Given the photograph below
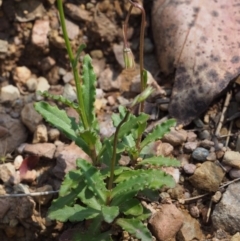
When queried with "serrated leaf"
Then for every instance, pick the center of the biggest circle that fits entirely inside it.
(158, 132)
(117, 171)
(89, 89)
(110, 213)
(80, 49)
(61, 121)
(137, 180)
(132, 207)
(71, 181)
(93, 179)
(59, 98)
(88, 198)
(73, 214)
(136, 228)
(160, 161)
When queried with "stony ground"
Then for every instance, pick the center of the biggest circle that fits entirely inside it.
(34, 156)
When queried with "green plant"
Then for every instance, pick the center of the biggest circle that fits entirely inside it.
(103, 191)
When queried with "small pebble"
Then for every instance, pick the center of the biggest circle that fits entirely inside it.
(200, 154)
(53, 134)
(191, 136)
(40, 134)
(194, 211)
(216, 197)
(18, 161)
(189, 168)
(31, 84)
(204, 135)
(234, 173)
(190, 146)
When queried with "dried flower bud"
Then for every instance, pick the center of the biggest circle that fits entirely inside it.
(128, 58)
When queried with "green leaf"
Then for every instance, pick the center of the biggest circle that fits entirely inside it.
(136, 228)
(160, 161)
(87, 197)
(158, 132)
(74, 214)
(89, 236)
(142, 96)
(61, 121)
(89, 89)
(132, 207)
(131, 182)
(145, 77)
(80, 49)
(110, 213)
(93, 179)
(60, 99)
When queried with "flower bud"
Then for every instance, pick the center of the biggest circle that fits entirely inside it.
(128, 58)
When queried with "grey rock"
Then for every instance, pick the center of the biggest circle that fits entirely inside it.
(190, 146)
(232, 158)
(9, 93)
(69, 93)
(107, 80)
(68, 77)
(72, 29)
(166, 222)
(234, 173)
(204, 135)
(29, 10)
(226, 213)
(190, 230)
(30, 117)
(41, 149)
(191, 136)
(189, 168)
(207, 177)
(206, 144)
(200, 154)
(15, 136)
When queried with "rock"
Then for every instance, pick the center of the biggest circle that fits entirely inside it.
(16, 134)
(18, 162)
(207, 177)
(206, 144)
(162, 149)
(190, 146)
(66, 159)
(69, 93)
(211, 157)
(148, 46)
(204, 135)
(9, 93)
(118, 52)
(68, 77)
(72, 29)
(194, 211)
(29, 10)
(96, 54)
(4, 207)
(77, 13)
(236, 237)
(41, 149)
(216, 197)
(31, 84)
(98, 66)
(190, 230)
(40, 134)
(30, 117)
(56, 40)
(8, 174)
(175, 137)
(53, 134)
(44, 199)
(166, 222)
(47, 63)
(107, 81)
(234, 173)
(226, 213)
(40, 33)
(21, 74)
(53, 75)
(191, 136)
(232, 158)
(177, 192)
(189, 168)
(174, 172)
(106, 127)
(200, 154)
(3, 46)
(42, 84)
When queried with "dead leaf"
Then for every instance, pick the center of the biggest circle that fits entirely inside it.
(200, 40)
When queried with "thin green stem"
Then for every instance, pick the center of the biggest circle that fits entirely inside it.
(77, 78)
(113, 161)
